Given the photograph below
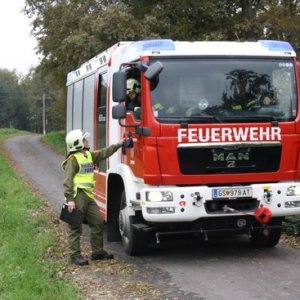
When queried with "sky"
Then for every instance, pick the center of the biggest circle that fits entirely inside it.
(17, 46)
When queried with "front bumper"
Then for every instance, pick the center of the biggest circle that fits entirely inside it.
(191, 203)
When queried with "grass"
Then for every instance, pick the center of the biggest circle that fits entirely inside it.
(291, 225)
(27, 271)
(56, 140)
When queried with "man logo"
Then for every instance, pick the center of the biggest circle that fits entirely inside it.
(231, 156)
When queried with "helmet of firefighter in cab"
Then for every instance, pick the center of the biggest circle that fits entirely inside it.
(133, 86)
(74, 140)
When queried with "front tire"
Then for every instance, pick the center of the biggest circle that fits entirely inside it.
(134, 242)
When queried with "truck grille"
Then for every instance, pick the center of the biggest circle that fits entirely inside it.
(250, 158)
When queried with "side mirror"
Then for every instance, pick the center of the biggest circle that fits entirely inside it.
(119, 112)
(119, 86)
(153, 70)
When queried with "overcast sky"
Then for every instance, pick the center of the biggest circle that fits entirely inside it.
(16, 44)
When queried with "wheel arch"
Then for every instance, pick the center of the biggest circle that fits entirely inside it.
(118, 182)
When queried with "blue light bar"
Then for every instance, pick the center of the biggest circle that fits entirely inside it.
(155, 45)
(276, 45)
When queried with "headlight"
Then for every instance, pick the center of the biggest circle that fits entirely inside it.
(293, 190)
(292, 204)
(157, 196)
(161, 210)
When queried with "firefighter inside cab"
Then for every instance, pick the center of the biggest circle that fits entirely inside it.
(133, 89)
(244, 92)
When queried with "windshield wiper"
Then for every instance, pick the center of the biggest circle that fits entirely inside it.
(204, 119)
(217, 119)
(262, 118)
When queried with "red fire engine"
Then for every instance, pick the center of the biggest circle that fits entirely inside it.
(213, 139)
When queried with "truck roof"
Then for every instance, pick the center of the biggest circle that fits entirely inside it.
(132, 51)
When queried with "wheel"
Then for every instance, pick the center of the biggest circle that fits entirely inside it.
(267, 237)
(134, 242)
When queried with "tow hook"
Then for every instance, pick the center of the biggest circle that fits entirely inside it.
(267, 195)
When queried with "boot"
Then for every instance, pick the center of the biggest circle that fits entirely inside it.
(79, 260)
(102, 255)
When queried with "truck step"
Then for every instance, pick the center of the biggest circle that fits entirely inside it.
(142, 227)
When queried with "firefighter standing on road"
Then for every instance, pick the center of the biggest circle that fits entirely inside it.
(78, 187)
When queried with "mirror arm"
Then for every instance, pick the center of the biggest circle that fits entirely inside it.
(127, 126)
(142, 66)
(139, 65)
(138, 130)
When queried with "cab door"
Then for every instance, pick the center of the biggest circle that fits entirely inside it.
(100, 138)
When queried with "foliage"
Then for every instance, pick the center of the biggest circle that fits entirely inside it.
(56, 140)
(282, 22)
(35, 86)
(25, 237)
(291, 225)
(69, 32)
(11, 101)
(22, 105)
(9, 132)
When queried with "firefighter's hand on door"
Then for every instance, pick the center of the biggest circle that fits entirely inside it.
(122, 141)
(128, 143)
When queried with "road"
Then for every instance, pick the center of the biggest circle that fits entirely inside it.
(218, 269)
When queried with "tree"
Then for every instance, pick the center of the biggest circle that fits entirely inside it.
(13, 111)
(63, 31)
(34, 86)
(281, 21)
(69, 32)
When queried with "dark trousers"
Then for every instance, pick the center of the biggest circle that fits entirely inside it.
(92, 216)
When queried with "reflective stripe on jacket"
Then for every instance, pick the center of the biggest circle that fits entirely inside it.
(84, 179)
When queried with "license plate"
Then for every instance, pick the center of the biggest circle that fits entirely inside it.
(225, 193)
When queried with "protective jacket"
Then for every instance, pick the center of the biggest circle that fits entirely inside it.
(79, 170)
(84, 179)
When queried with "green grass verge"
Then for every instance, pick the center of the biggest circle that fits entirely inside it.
(26, 271)
(56, 140)
(291, 225)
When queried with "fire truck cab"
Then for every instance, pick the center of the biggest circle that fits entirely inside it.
(212, 141)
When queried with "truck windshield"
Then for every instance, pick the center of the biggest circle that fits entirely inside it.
(223, 90)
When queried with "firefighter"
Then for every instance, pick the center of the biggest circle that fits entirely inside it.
(267, 100)
(243, 99)
(78, 186)
(159, 109)
(133, 90)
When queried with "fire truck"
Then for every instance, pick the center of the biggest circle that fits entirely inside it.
(213, 145)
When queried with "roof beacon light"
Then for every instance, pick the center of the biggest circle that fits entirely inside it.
(155, 45)
(276, 45)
